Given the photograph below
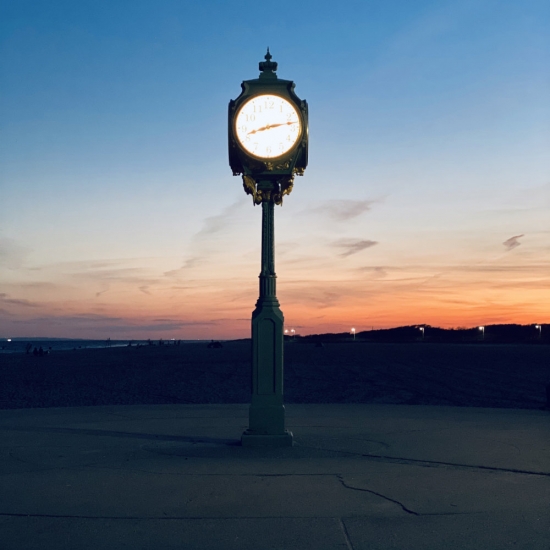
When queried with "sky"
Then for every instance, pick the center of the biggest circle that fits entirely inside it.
(426, 199)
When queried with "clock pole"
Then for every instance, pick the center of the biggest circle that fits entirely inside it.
(268, 146)
(267, 412)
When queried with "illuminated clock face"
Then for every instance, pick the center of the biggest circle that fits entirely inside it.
(267, 126)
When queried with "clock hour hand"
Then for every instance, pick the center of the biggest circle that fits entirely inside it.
(269, 126)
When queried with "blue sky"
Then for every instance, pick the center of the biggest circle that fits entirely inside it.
(426, 199)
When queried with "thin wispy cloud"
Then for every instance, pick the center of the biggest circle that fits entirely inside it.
(342, 210)
(378, 272)
(105, 275)
(125, 274)
(187, 264)
(5, 299)
(512, 242)
(353, 246)
(539, 269)
(200, 246)
(315, 295)
(38, 285)
(217, 223)
(90, 265)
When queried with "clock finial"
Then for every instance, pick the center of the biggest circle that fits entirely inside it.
(268, 67)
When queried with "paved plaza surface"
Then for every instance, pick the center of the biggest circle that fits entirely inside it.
(358, 477)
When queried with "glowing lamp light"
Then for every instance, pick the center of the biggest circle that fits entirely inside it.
(353, 332)
(482, 329)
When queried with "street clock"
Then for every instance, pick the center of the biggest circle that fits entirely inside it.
(268, 133)
(268, 140)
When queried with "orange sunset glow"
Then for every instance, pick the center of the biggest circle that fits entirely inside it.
(426, 199)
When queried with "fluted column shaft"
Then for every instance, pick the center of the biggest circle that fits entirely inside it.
(268, 278)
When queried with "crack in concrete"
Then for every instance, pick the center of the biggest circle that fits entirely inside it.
(344, 529)
(194, 474)
(404, 508)
(155, 518)
(430, 463)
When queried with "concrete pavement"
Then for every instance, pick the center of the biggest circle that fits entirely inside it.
(358, 477)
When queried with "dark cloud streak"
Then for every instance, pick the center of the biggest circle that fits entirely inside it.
(5, 299)
(353, 246)
(513, 242)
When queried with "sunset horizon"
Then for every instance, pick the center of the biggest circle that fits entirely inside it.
(426, 199)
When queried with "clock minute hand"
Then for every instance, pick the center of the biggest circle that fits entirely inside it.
(269, 126)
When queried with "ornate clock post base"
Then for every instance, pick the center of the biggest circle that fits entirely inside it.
(267, 412)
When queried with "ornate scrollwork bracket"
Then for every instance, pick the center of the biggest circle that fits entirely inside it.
(276, 193)
(286, 183)
(249, 185)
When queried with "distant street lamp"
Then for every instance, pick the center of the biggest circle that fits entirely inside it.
(539, 328)
(353, 332)
(422, 331)
(482, 329)
(293, 332)
(268, 146)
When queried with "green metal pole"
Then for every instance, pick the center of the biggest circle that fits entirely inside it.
(268, 278)
(267, 412)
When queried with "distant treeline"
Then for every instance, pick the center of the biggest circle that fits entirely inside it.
(493, 334)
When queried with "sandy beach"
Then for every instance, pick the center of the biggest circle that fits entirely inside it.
(508, 376)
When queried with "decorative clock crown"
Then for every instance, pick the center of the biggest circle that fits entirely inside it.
(268, 67)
